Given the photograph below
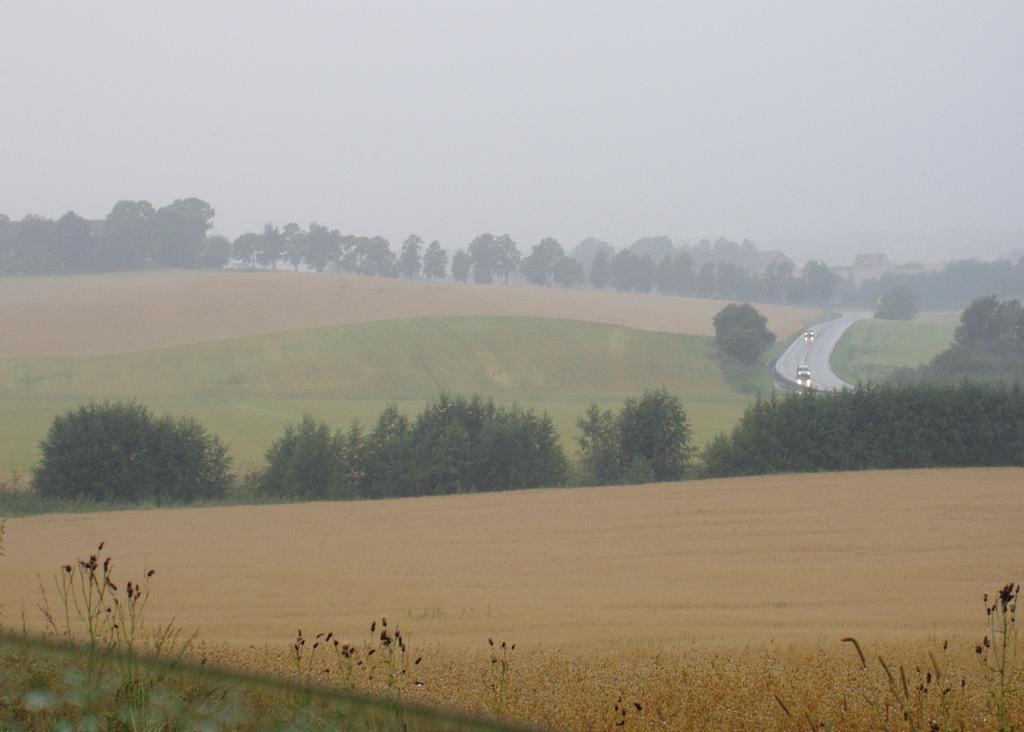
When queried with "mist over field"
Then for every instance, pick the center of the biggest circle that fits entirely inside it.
(820, 129)
(453, 365)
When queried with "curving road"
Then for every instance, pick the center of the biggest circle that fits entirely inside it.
(816, 354)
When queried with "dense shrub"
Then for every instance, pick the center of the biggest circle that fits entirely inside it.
(648, 440)
(887, 426)
(455, 445)
(120, 452)
(742, 332)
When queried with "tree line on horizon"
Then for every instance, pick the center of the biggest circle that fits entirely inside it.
(137, 235)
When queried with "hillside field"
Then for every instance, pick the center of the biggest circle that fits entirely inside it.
(873, 349)
(240, 353)
(94, 315)
(248, 389)
(704, 602)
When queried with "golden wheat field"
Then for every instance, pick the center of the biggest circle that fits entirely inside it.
(92, 315)
(701, 601)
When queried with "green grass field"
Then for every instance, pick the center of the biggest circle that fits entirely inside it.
(873, 349)
(248, 389)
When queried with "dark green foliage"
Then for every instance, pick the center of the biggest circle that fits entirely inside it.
(304, 462)
(742, 332)
(648, 440)
(455, 445)
(900, 303)
(119, 452)
(874, 427)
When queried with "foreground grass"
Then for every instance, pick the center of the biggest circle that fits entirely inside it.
(873, 349)
(248, 389)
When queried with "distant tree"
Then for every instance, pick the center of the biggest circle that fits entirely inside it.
(732, 281)
(507, 257)
(461, 264)
(623, 270)
(683, 278)
(295, 244)
(539, 267)
(271, 246)
(246, 248)
(119, 452)
(655, 247)
(483, 256)
(601, 270)
(216, 252)
(568, 272)
(376, 257)
(900, 303)
(34, 246)
(6, 243)
(644, 279)
(321, 246)
(409, 263)
(707, 280)
(586, 250)
(742, 332)
(179, 231)
(777, 279)
(664, 276)
(435, 262)
(128, 238)
(819, 283)
(72, 243)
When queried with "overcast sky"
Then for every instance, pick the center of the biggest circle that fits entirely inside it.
(807, 125)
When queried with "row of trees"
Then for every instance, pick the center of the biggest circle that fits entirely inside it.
(875, 426)
(121, 453)
(988, 345)
(455, 445)
(489, 258)
(134, 235)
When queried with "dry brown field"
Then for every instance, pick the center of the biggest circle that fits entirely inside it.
(92, 315)
(701, 601)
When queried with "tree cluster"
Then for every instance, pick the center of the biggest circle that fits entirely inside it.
(120, 453)
(741, 332)
(899, 303)
(648, 440)
(455, 445)
(988, 345)
(874, 427)
(134, 235)
(952, 286)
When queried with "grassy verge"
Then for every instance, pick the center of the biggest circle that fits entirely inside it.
(873, 349)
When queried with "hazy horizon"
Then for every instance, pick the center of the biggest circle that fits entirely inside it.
(821, 130)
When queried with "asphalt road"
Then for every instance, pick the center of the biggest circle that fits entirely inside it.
(816, 354)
